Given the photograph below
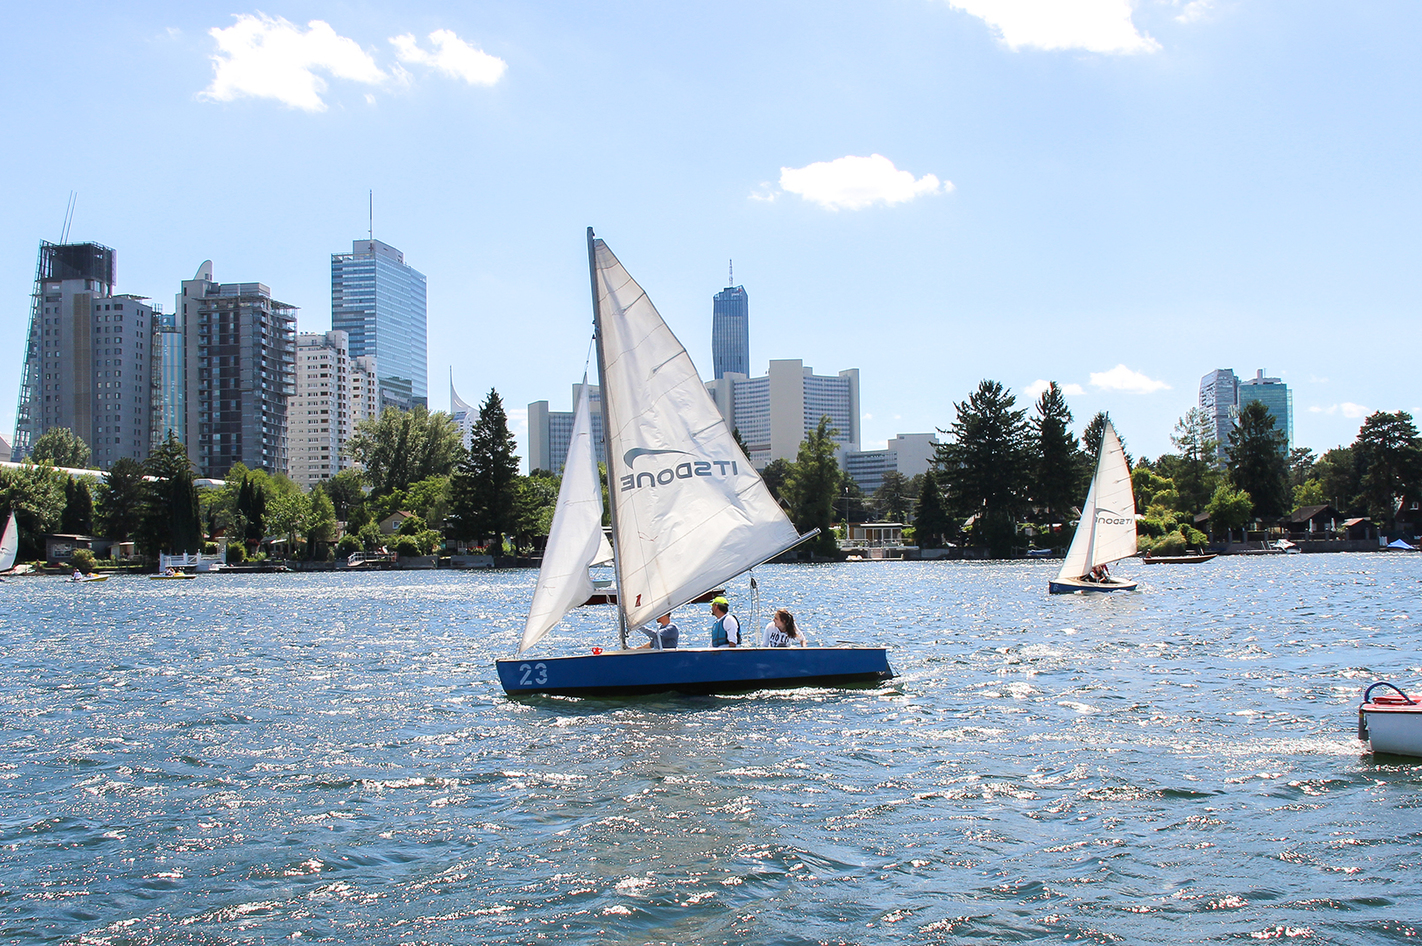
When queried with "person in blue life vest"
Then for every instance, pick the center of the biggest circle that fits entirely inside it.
(725, 629)
(663, 634)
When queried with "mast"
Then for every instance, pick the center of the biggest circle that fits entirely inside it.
(602, 390)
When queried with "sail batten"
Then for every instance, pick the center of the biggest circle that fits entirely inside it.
(1107, 530)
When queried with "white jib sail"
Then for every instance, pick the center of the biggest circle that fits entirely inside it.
(1107, 530)
(9, 545)
(575, 538)
(690, 510)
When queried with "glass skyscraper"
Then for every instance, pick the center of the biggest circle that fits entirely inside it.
(379, 303)
(730, 332)
(1275, 395)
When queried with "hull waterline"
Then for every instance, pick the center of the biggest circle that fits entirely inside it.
(693, 670)
(1066, 586)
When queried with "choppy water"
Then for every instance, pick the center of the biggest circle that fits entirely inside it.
(254, 759)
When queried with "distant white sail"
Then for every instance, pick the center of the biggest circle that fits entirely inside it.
(690, 511)
(1107, 530)
(9, 545)
(575, 539)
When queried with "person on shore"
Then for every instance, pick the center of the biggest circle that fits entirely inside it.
(781, 631)
(663, 635)
(725, 629)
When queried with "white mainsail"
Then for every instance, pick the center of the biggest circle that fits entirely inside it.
(575, 539)
(689, 510)
(9, 545)
(1107, 530)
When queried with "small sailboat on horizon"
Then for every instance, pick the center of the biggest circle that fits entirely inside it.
(1106, 532)
(688, 512)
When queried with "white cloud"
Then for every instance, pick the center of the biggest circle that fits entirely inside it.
(452, 56)
(269, 57)
(1195, 11)
(1035, 389)
(1347, 409)
(1121, 378)
(853, 183)
(1099, 26)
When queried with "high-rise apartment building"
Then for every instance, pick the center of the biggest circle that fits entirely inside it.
(774, 412)
(1219, 397)
(379, 303)
(730, 332)
(240, 367)
(88, 360)
(550, 432)
(323, 412)
(1275, 395)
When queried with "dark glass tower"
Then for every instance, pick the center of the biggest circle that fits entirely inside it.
(379, 302)
(730, 332)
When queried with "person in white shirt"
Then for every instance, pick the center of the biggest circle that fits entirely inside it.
(781, 631)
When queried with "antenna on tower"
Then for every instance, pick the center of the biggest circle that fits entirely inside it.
(731, 278)
(69, 216)
(372, 215)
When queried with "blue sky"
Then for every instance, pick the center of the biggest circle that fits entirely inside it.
(1116, 196)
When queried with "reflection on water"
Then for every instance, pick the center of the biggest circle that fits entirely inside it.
(247, 759)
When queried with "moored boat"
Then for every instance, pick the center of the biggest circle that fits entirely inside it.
(1390, 723)
(1149, 559)
(688, 510)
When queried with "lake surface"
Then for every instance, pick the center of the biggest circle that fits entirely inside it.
(329, 758)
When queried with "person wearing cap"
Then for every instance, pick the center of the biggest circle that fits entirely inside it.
(726, 630)
(663, 634)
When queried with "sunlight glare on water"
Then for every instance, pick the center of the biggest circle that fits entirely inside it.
(329, 758)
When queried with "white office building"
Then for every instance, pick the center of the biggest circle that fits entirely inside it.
(907, 454)
(550, 432)
(334, 392)
(775, 411)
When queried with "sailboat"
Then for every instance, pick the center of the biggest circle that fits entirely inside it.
(688, 513)
(9, 545)
(1107, 530)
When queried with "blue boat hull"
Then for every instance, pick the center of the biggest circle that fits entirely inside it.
(1066, 586)
(693, 670)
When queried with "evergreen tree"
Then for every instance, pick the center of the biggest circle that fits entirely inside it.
(1390, 457)
(78, 517)
(813, 486)
(1259, 461)
(775, 474)
(893, 499)
(1301, 461)
(346, 491)
(484, 489)
(170, 520)
(121, 500)
(252, 509)
(1091, 440)
(1057, 472)
(60, 446)
(1337, 471)
(1195, 477)
(987, 463)
(931, 522)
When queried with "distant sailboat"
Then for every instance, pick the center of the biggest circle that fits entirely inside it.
(689, 512)
(9, 545)
(1107, 530)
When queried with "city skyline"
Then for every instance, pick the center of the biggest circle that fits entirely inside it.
(1195, 181)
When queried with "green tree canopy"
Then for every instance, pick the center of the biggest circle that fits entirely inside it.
(346, 490)
(1338, 473)
(1259, 461)
(78, 515)
(60, 446)
(483, 491)
(1229, 508)
(403, 447)
(893, 500)
(170, 508)
(987, 463)
(121, 500)
(1390, 456)
(775, 474)
(320, 523)
(931, 523)
(35, 494)
(813, 486)
(1194, 474)
(1057, 474)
